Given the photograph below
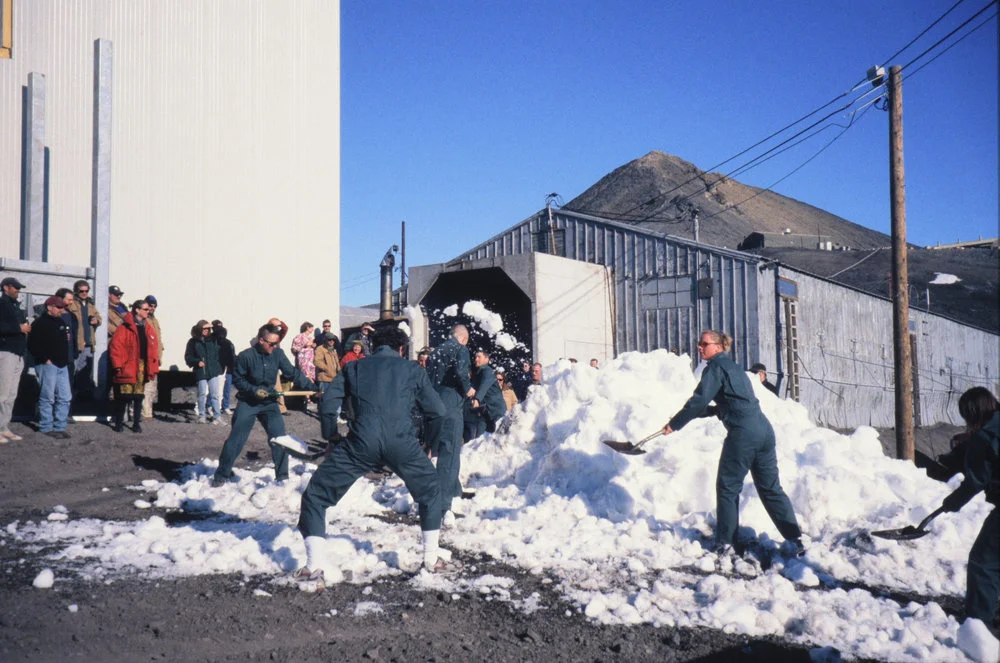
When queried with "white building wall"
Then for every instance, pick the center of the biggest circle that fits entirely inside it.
(225, 195)
(573, 310)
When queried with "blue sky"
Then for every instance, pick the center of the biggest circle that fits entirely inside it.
(458, 117)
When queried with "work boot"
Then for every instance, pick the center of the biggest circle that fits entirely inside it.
(120, 414)
(137, 414)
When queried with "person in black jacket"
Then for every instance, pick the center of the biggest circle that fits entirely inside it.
(48, 344)
(979, 409)
(14, 329)
(227, 357)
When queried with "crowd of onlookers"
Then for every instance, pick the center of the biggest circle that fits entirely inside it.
(61, 342)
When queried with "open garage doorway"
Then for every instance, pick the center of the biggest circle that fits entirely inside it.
(499, 294)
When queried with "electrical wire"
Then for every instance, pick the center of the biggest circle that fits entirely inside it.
(629, 213)
(799, 167)
(912, 41)
(944, 38)
(954, 43)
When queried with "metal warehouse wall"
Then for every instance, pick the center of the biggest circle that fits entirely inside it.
(226, 151)
(638, 260)
(846, 356)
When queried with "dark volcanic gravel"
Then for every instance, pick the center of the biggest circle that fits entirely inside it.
(220, 618)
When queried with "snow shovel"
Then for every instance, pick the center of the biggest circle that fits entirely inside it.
(909, 532)
(300, 448)
(630, 449)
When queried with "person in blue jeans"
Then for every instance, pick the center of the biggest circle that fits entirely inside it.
(48, 345)
(227, 357)
(749, 444)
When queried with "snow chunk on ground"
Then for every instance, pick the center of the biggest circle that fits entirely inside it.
(944, 279)
(45, 579)
(977, 642)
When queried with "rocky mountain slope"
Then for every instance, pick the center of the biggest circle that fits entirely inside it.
(661, 193)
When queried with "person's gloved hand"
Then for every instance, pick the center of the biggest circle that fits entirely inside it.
(954, 502)
(262, 394)
(316, 397)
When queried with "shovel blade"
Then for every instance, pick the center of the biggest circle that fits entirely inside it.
(626, 448)
(907, 533)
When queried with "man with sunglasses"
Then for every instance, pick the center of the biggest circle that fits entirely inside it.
(84, 309)
(255, 377)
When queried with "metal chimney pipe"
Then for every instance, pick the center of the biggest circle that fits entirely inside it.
(385, 271)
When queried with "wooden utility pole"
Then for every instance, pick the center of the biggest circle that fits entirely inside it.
(901, 280)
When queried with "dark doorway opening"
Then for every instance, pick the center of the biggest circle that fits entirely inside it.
(499, 294)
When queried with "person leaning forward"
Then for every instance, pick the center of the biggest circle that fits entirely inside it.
(749, 444)
(384, 390)
(254, 377)
(448, 370)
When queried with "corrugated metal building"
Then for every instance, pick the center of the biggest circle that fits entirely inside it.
(225, 158)
(831, 345)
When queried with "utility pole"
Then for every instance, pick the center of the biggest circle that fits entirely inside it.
(901, 291)
(694, 217)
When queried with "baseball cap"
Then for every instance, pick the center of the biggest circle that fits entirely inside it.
(10, 280)
(55, 301)
(150, 299)
(329, 336)
(115, 290)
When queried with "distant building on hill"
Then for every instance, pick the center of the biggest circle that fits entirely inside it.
(760, 240)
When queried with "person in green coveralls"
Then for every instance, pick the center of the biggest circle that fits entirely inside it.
(384, 389)
(749, 444)
(448, 370)
(255, 375)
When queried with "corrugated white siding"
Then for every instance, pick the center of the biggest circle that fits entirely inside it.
(846, 357)
(225, 196)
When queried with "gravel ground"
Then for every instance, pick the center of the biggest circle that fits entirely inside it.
(219, 617)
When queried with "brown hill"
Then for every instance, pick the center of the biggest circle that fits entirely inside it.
(661, 192)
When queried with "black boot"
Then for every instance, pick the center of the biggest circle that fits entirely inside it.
(119, 406)
(137, 413)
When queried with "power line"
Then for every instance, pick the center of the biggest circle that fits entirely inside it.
(629, 214)
(944, 38)
(925, 30)
(954, 43)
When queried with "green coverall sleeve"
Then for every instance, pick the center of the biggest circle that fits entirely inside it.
(241, 374)
(704, 393)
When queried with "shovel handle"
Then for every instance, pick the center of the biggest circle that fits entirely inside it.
(934, 514)
(648, 438)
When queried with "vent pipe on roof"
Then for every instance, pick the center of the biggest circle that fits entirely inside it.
(385, 268)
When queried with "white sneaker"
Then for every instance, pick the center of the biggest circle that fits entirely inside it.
(8, 435)
(202, 420)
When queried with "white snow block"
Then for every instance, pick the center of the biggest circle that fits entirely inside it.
(976, 641)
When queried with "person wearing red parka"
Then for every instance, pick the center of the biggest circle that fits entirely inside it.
(134, 353)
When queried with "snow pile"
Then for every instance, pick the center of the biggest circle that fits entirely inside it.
(623, 537)
(944, 279)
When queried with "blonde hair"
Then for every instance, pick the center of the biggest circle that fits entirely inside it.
(721, 338)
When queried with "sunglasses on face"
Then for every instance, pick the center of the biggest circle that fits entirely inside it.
(269, 343)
